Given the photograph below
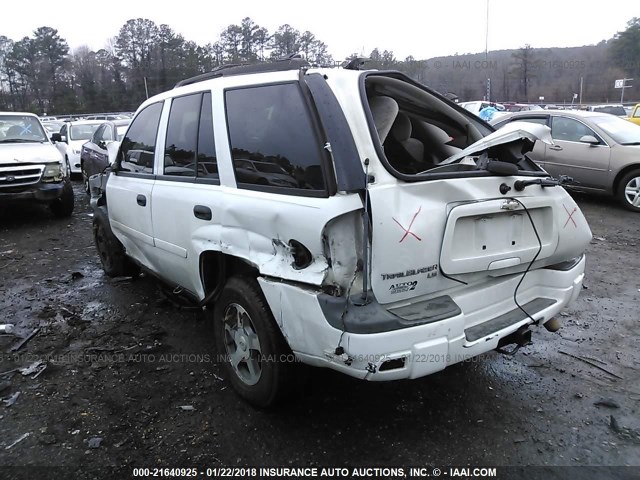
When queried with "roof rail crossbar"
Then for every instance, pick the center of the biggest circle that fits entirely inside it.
(280, 65)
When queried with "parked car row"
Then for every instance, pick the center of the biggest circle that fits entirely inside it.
(70, 137)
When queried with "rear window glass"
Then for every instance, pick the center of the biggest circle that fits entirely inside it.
(421, 134)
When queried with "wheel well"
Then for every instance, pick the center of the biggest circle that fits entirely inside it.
(622, 173)
(217, 267)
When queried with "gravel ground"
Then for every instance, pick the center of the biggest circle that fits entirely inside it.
(132, 381)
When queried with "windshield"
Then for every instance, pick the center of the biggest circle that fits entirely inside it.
(611, 109)
(53, 127)
(82, 132)
(120, 131)
(622, 131)
(21, 129)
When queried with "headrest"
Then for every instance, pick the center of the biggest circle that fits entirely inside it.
(438, 134)
(14, 130)
(401, 129)
(384, 111)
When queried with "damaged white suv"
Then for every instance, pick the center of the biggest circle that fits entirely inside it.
(349, 219)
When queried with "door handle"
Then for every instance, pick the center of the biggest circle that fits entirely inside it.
(202, 212)
(142, 200)
(557, 148)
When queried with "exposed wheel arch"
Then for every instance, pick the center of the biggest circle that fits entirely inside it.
(217, 267)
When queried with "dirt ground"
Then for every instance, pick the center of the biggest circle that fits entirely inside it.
(131, 380)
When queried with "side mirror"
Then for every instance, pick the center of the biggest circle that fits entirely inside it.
(590, 139)
(112, 151)
(55, 137)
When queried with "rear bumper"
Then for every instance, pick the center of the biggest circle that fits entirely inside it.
(487, 314)
(40, 192)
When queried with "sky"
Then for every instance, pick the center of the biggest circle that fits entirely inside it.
(423, 29)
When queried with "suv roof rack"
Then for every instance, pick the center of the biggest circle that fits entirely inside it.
(292, 62)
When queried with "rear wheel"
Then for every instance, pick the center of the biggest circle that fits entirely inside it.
(257, 359)
(63, 206)
(629, 191)
(115, 262)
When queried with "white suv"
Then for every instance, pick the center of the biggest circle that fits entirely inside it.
(397, 235)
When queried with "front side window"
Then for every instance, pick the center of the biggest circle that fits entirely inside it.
(538, 120)
(138, 146)
(569, 130)
(273, 142)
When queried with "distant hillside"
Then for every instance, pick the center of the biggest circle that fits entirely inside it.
(525, 74)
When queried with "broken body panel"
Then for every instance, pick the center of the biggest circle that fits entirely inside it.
(438, 268)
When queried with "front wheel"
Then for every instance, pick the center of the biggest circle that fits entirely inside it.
(257, 359)
(63, 206)
(629, 191)
(115, 262)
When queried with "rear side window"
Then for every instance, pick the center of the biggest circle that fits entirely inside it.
(182, 136)
(538, 120)
(273, 142)
(138, 146)
(190, 150)
(207, 161)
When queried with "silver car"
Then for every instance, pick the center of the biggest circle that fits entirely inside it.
(601, 152)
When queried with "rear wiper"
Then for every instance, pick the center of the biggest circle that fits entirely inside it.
(520, 185)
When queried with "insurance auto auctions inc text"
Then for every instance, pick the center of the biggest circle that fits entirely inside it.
(377, 472)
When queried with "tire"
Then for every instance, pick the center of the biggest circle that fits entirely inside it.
(63, 206)
(257, 359)
(629, 191)
(115, 262)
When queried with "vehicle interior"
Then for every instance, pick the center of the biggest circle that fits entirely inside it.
(416, 129)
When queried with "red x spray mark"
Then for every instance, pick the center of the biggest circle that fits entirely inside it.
(570, 213)
(407, 231)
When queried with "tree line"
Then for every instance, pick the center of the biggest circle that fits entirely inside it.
(40, 74)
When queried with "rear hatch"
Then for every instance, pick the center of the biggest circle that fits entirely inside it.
(452, 215)
(433, 236)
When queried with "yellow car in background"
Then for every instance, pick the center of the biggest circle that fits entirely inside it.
(634, 116)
